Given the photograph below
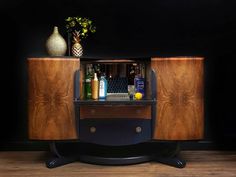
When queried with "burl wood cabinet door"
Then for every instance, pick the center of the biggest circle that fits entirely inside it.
(51, 113)
(180, 103)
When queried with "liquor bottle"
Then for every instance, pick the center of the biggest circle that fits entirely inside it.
(88, 80)
(95, 87)
(142, 70)
(102, 87)
(137, 70)
(139, 80)
(131, 74)
(88, 91)
(139, 84)
(97, 69)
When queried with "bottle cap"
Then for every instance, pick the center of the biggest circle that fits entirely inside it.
(95, 75)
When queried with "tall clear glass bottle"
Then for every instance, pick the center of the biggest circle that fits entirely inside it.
(102, 87)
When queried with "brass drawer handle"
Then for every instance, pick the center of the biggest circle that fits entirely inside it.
(92, 129)
(93, 111)
(138, 129)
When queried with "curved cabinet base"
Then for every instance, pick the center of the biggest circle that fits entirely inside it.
(171, 161)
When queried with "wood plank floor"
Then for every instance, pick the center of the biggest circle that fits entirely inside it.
(199, 163)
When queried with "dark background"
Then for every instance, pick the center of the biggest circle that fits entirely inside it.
(125, 28)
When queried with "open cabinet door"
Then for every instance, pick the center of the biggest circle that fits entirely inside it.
(180, 103)
(51, 113)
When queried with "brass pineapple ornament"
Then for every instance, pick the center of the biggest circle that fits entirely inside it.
(76, 49)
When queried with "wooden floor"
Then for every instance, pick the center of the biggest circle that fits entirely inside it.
(199, 163)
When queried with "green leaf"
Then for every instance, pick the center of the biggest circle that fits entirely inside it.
(68, 19)
(81, 24)
(72, 23)
(84, 30)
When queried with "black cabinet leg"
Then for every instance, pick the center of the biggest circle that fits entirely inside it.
(170, 155)
(57, 159)
(172, 161)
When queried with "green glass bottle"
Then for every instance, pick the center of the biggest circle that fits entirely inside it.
(88, 81)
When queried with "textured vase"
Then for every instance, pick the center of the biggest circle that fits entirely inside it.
(77, 49)
(56, 44)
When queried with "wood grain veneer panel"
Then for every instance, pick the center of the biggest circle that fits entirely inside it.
(180, 103)
(51, 113)
(139, 112)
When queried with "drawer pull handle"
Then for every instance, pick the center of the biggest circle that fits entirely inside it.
(92, 129)
(138, 129)
(93, 111)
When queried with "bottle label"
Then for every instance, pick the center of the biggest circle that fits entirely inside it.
(101, 89)
(88, 80)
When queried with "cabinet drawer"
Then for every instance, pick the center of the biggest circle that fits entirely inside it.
(115, 132)
(115, 111)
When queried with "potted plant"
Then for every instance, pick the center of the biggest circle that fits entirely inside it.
(79, 28)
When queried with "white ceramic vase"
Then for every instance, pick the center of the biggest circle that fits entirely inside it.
(56, 44)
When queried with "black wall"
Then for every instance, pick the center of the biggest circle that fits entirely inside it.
(124, 29)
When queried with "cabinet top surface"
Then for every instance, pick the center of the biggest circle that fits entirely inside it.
(52, 58)
(99, 59)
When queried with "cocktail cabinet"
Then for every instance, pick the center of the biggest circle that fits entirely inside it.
(170, 111)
